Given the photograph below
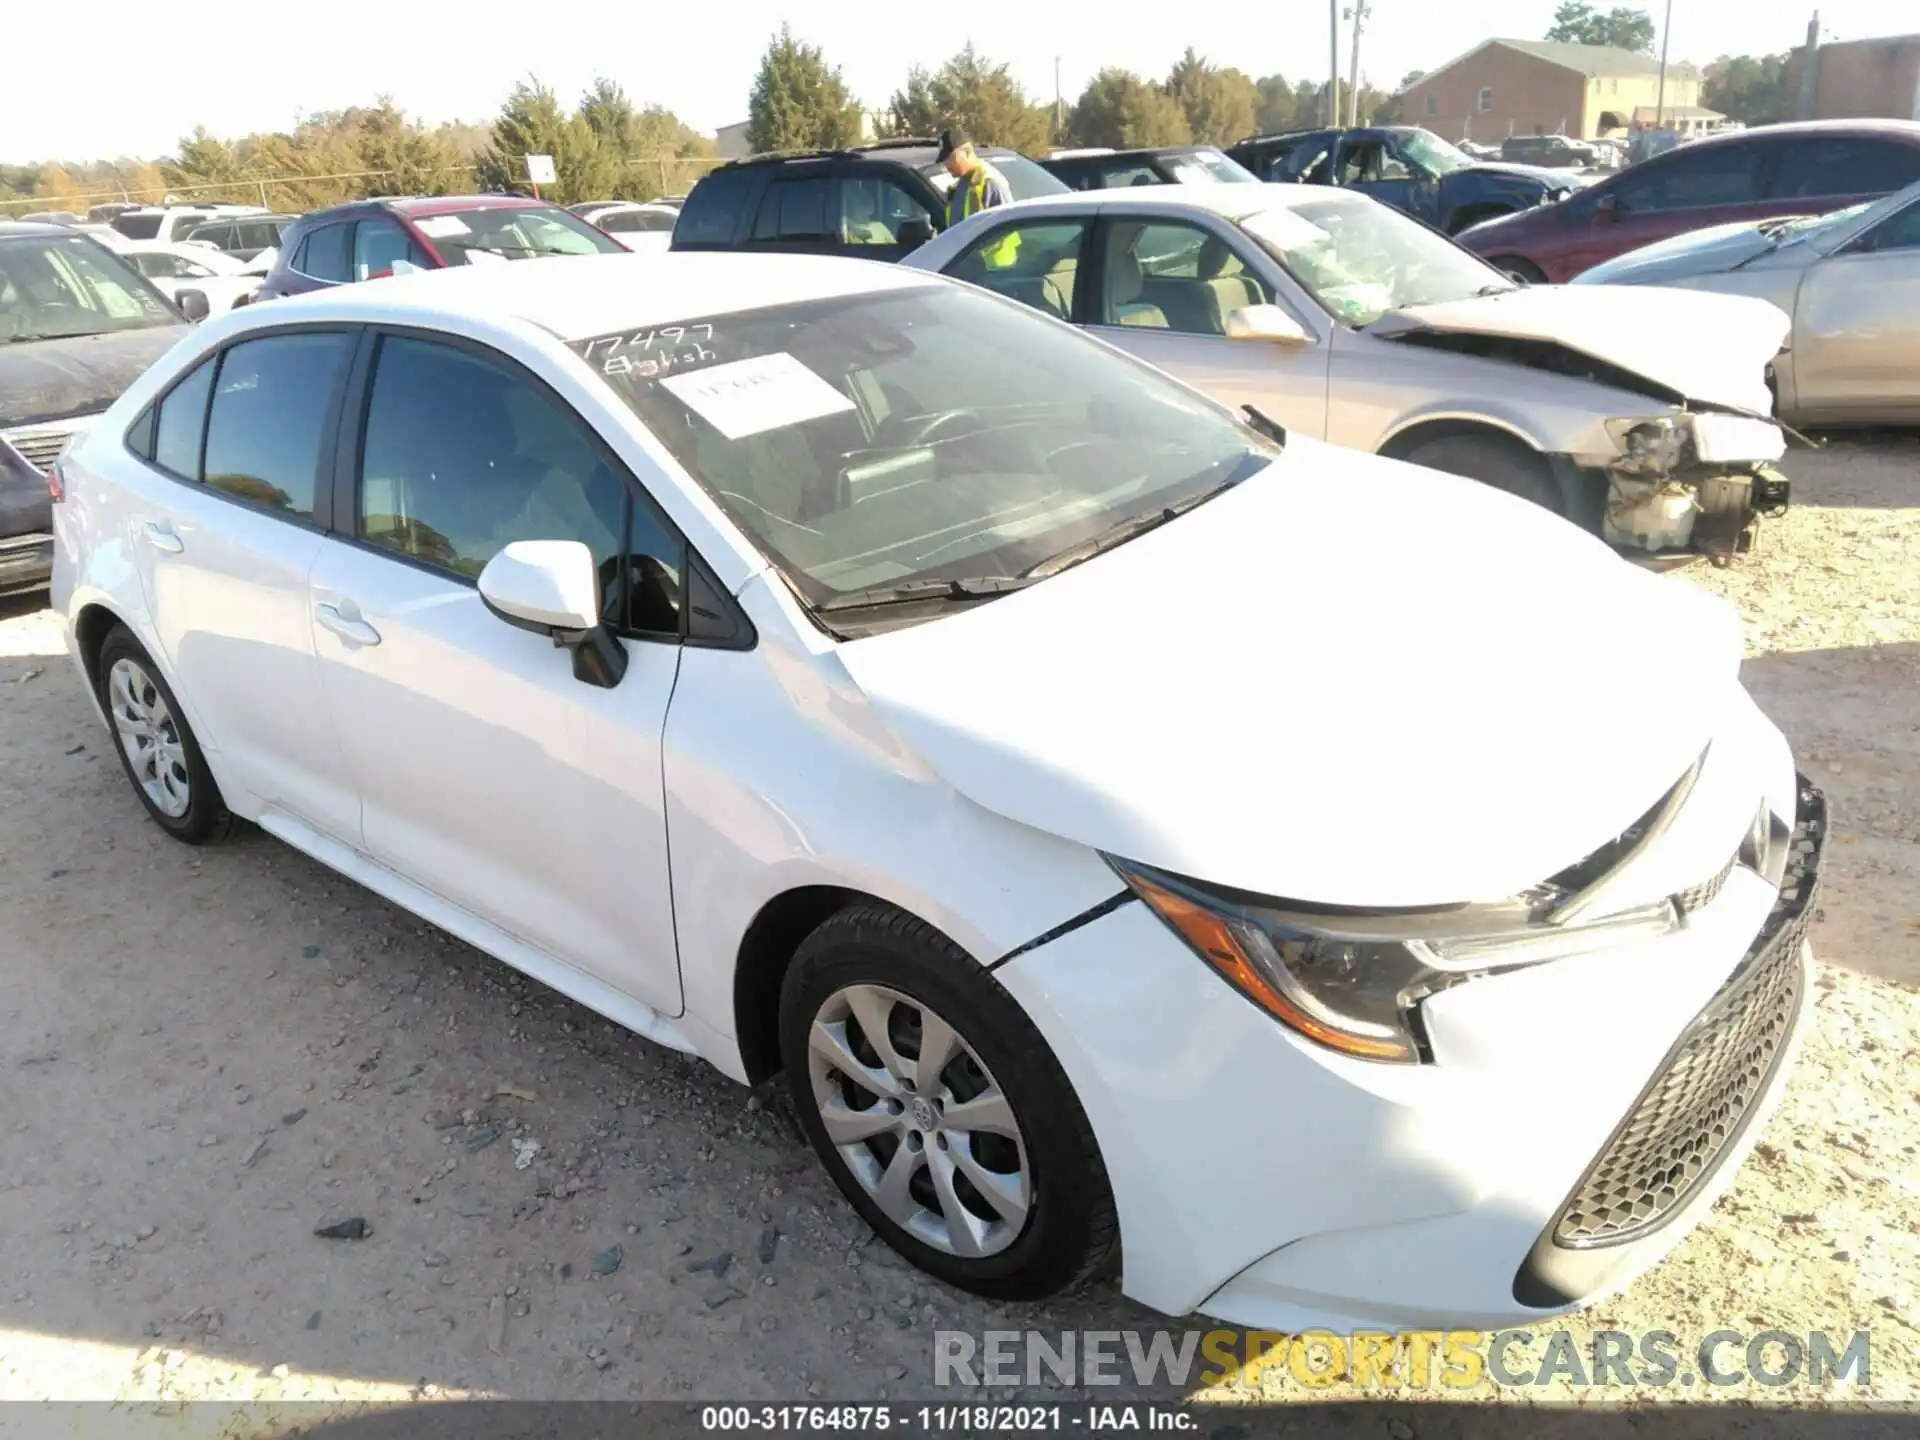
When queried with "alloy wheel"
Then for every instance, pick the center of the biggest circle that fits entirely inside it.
(920, 1122)
(151, 738)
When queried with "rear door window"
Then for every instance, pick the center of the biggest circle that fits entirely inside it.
(1037, 264)
(711, 215)
(137, 226)
(323, 255)
(794, 212)
(1843, 165)
(378, 243)
(271, 402)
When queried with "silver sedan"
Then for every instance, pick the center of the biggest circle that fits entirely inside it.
(1851, 282)
(1639, 415)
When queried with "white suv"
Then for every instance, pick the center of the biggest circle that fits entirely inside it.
(170, 224)
(1353, 895)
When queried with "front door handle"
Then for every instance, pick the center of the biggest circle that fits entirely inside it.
(160, 536)
(344, 620)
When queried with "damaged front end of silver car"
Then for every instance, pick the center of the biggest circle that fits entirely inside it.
(1677, 486)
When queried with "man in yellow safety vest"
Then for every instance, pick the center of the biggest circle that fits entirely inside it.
(976, 186)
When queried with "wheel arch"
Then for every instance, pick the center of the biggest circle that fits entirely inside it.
(91, 624)
(766, 949)
(1421, 430)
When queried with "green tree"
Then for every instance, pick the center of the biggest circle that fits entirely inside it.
(1275, 111)
(1749, 88)
(1621, 28)
(1120, 109)
(1220, 104)
(798, 101)
(409, 159)
(974, 94)
(532, 123)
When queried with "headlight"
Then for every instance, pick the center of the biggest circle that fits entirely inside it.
(1354, 982)
(1651, 446)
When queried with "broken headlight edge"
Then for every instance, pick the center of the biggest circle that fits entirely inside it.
(1354, 982)
(1651, 445)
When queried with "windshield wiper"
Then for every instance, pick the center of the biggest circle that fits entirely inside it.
(1136, 525)
(969, 587)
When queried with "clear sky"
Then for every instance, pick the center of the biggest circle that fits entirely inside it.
(113, 79)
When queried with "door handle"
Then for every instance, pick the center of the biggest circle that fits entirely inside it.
(160, 536)
(344, 620)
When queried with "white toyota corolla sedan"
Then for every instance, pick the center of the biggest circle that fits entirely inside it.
(1350, 894)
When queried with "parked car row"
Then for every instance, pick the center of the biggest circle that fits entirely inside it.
(839, 597)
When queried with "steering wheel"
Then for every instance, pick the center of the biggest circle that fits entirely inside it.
(925, 429)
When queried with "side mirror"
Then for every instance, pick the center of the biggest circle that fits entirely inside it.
(552, 587)
(1266, 322)
(915, 233)
(193, 305)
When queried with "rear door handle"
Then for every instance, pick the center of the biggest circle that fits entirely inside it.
(160, 536)
(344, 620)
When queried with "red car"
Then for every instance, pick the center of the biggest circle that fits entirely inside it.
(1802, 169)
(362, 240)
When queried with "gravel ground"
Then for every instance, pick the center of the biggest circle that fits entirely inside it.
(207, 1054)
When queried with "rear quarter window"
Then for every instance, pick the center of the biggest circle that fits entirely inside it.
(712, 213)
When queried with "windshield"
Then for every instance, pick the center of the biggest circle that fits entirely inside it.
(1201, 167)
(1430, 152)
(1026, 179)
(51, 289)
(936, 435)
(1361, 260)
(513, 234)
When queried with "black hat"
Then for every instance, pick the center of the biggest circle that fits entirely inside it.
(950, 141)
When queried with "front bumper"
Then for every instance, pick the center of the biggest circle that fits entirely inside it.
(1713, 512)
(1275, 1184)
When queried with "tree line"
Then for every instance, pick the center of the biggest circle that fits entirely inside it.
(606, 146)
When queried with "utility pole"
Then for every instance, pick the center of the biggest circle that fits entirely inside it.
(1809, 72)
(1358, 14)
(1660, 96)
(1333, 64)
(1059, 116)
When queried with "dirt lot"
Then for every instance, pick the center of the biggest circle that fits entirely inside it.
(206, 1054)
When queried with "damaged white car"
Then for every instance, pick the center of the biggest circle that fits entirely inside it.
(1642, 416)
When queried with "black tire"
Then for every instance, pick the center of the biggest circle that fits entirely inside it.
(206, 819)
(1504, 464)
(1070, 1228)
(1525, 271)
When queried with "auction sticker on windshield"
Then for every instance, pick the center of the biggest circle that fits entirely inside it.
(439, 227)
(746, 397)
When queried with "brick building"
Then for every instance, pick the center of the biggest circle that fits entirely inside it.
(1541, 87)
(1858, 79)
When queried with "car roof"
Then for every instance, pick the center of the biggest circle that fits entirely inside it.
(915, 151)
(11, 228)
(1907, 130)
(1230, 200)
(446, 204)
(574, 297)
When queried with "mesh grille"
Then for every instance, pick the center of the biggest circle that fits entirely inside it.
(1698, 897)
(1697, 1103)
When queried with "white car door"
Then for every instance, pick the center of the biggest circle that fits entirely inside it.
(225, 520)
(1856, 331)
(487, 773)
(1166, 288)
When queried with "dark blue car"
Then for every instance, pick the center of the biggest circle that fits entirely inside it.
(1408, 168)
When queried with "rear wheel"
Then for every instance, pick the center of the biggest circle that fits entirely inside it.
(1504, 464)
(1514, 268)
(157, 746)
(939, 1110)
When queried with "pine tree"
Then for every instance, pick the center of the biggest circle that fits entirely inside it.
(532, 123)
(799, 102)
(971, 93)
(1220, 103)
(1120, 109)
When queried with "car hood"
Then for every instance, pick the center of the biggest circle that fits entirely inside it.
(1347, 681)
(52, 379)
(1698, 252)
(1704, 348)
(1541, 174)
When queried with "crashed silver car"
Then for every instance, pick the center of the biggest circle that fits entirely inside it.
(1642, 415)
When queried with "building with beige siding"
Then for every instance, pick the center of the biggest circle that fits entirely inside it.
(1542, 87)
(1857, 79)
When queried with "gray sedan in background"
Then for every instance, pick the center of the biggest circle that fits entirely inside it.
(1849, 280)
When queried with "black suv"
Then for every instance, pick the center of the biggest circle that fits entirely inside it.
(875, 202)
(1165, 165)
(242, 236)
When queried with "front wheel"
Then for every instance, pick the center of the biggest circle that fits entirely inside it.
(1514, 268)
(1504, 464)
(939, 1110)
